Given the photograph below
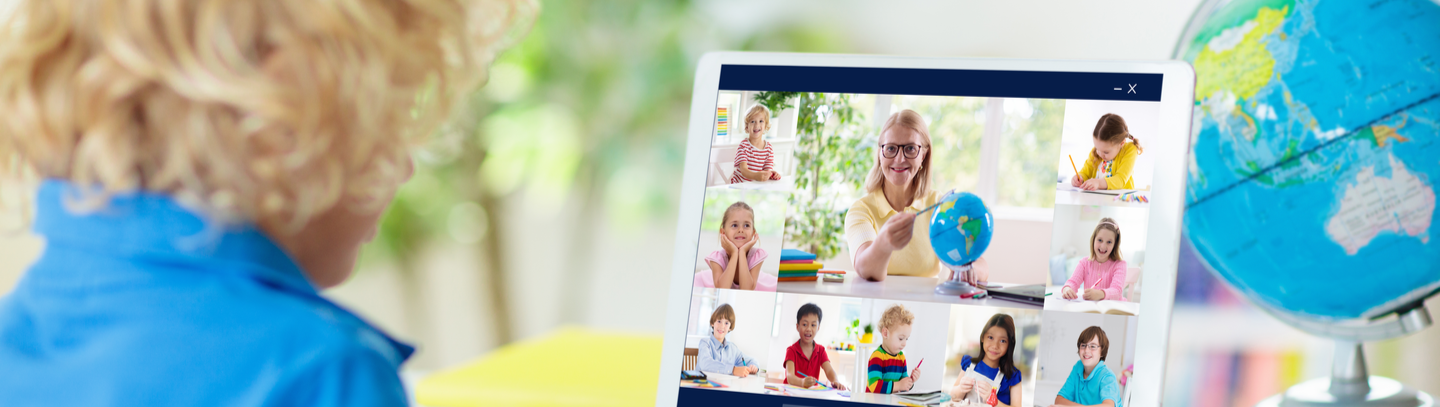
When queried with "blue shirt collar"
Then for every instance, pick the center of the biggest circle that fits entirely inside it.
(1094, 373)
(148, 226)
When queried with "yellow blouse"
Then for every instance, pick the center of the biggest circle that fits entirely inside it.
(867, 215)
(1119, 168)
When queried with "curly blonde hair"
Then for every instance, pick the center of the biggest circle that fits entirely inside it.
(895, 317)
(245, 110)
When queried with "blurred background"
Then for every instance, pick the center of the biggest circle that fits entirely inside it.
(553, 201)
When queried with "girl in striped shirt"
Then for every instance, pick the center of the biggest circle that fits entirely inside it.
(755, 158)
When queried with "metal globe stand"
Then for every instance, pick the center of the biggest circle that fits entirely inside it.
(956, 285)
(1350, 383)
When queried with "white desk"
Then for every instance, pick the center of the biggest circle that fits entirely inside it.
(783, 185)
(903, 288)
(754, 383)
(1065, 197)
(1055, 302)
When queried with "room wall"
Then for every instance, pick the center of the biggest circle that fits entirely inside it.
(754, 312)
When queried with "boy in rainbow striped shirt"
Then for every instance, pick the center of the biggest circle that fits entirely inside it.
(887, 372)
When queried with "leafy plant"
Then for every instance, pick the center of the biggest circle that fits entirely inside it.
(852, 331)
(833, 157)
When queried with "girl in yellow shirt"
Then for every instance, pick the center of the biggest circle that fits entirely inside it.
(1110, 162)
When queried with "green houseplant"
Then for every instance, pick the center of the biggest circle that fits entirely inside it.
(833, 157)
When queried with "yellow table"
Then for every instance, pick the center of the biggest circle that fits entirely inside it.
(569, 367)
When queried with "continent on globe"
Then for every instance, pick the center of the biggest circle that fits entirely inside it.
(1381, 134)
(1371, 205)
(945, 206)
(969, 237)
(970, 228)
(1236, 61)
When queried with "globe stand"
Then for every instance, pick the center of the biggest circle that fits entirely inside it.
(956, 285)
(1350, 383)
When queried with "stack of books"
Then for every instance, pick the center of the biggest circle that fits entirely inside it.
(797, 265)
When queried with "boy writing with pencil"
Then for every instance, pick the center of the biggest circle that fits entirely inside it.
(887, 364)
(804, 360)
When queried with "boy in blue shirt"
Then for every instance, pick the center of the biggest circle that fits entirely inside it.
(718, 355)
(1091, 383)
(208, 166)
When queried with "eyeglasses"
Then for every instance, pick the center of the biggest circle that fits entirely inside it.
(911, 150)
(1092, 347)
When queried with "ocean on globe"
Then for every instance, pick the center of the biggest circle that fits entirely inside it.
(1316, 152)
(960, 228)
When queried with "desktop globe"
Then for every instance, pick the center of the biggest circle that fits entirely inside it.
(1315, 157)
(960, 231)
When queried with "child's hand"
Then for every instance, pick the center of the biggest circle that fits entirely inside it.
(1094, 295)
(963, 387)
(1093, 184)
(1067, 293)
(838, 386)
(1075, 181)
(728, 245)
(807, 382)
(741, 371)
(983, 387)
(745, 249)
(915, 374)
(754, 369)
(904, 384)
(774, 175)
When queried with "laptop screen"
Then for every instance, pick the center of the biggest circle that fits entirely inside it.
(856, 220)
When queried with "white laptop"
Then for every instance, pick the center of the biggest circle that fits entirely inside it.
(794, 283)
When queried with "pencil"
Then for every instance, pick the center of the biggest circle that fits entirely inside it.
(817, 381)
(928, 209)
(1072, 164)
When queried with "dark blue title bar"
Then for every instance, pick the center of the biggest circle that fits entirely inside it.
(1139, 87)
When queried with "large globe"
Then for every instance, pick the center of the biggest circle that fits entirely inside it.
(1316, 152)
(960, 228)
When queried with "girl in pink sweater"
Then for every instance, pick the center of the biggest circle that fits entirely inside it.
(1102, 276)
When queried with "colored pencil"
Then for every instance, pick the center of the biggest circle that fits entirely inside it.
(1072, 164)
(817, 381)
(928, 209)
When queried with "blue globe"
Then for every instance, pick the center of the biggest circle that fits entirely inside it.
(1316, 149)
(960, 228)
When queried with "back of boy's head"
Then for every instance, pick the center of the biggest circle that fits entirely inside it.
(809, 309)
(243, 110)
(757, 110)
(895, 317)
(1112, 129)
(1092, 333)
(724, 311)
(1007, 362)
(1110, 225)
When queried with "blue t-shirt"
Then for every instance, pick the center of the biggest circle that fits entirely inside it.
(141, 304)
(1100, 386)
(1011, 380)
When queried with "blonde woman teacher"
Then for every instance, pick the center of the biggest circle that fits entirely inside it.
(880, 228)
